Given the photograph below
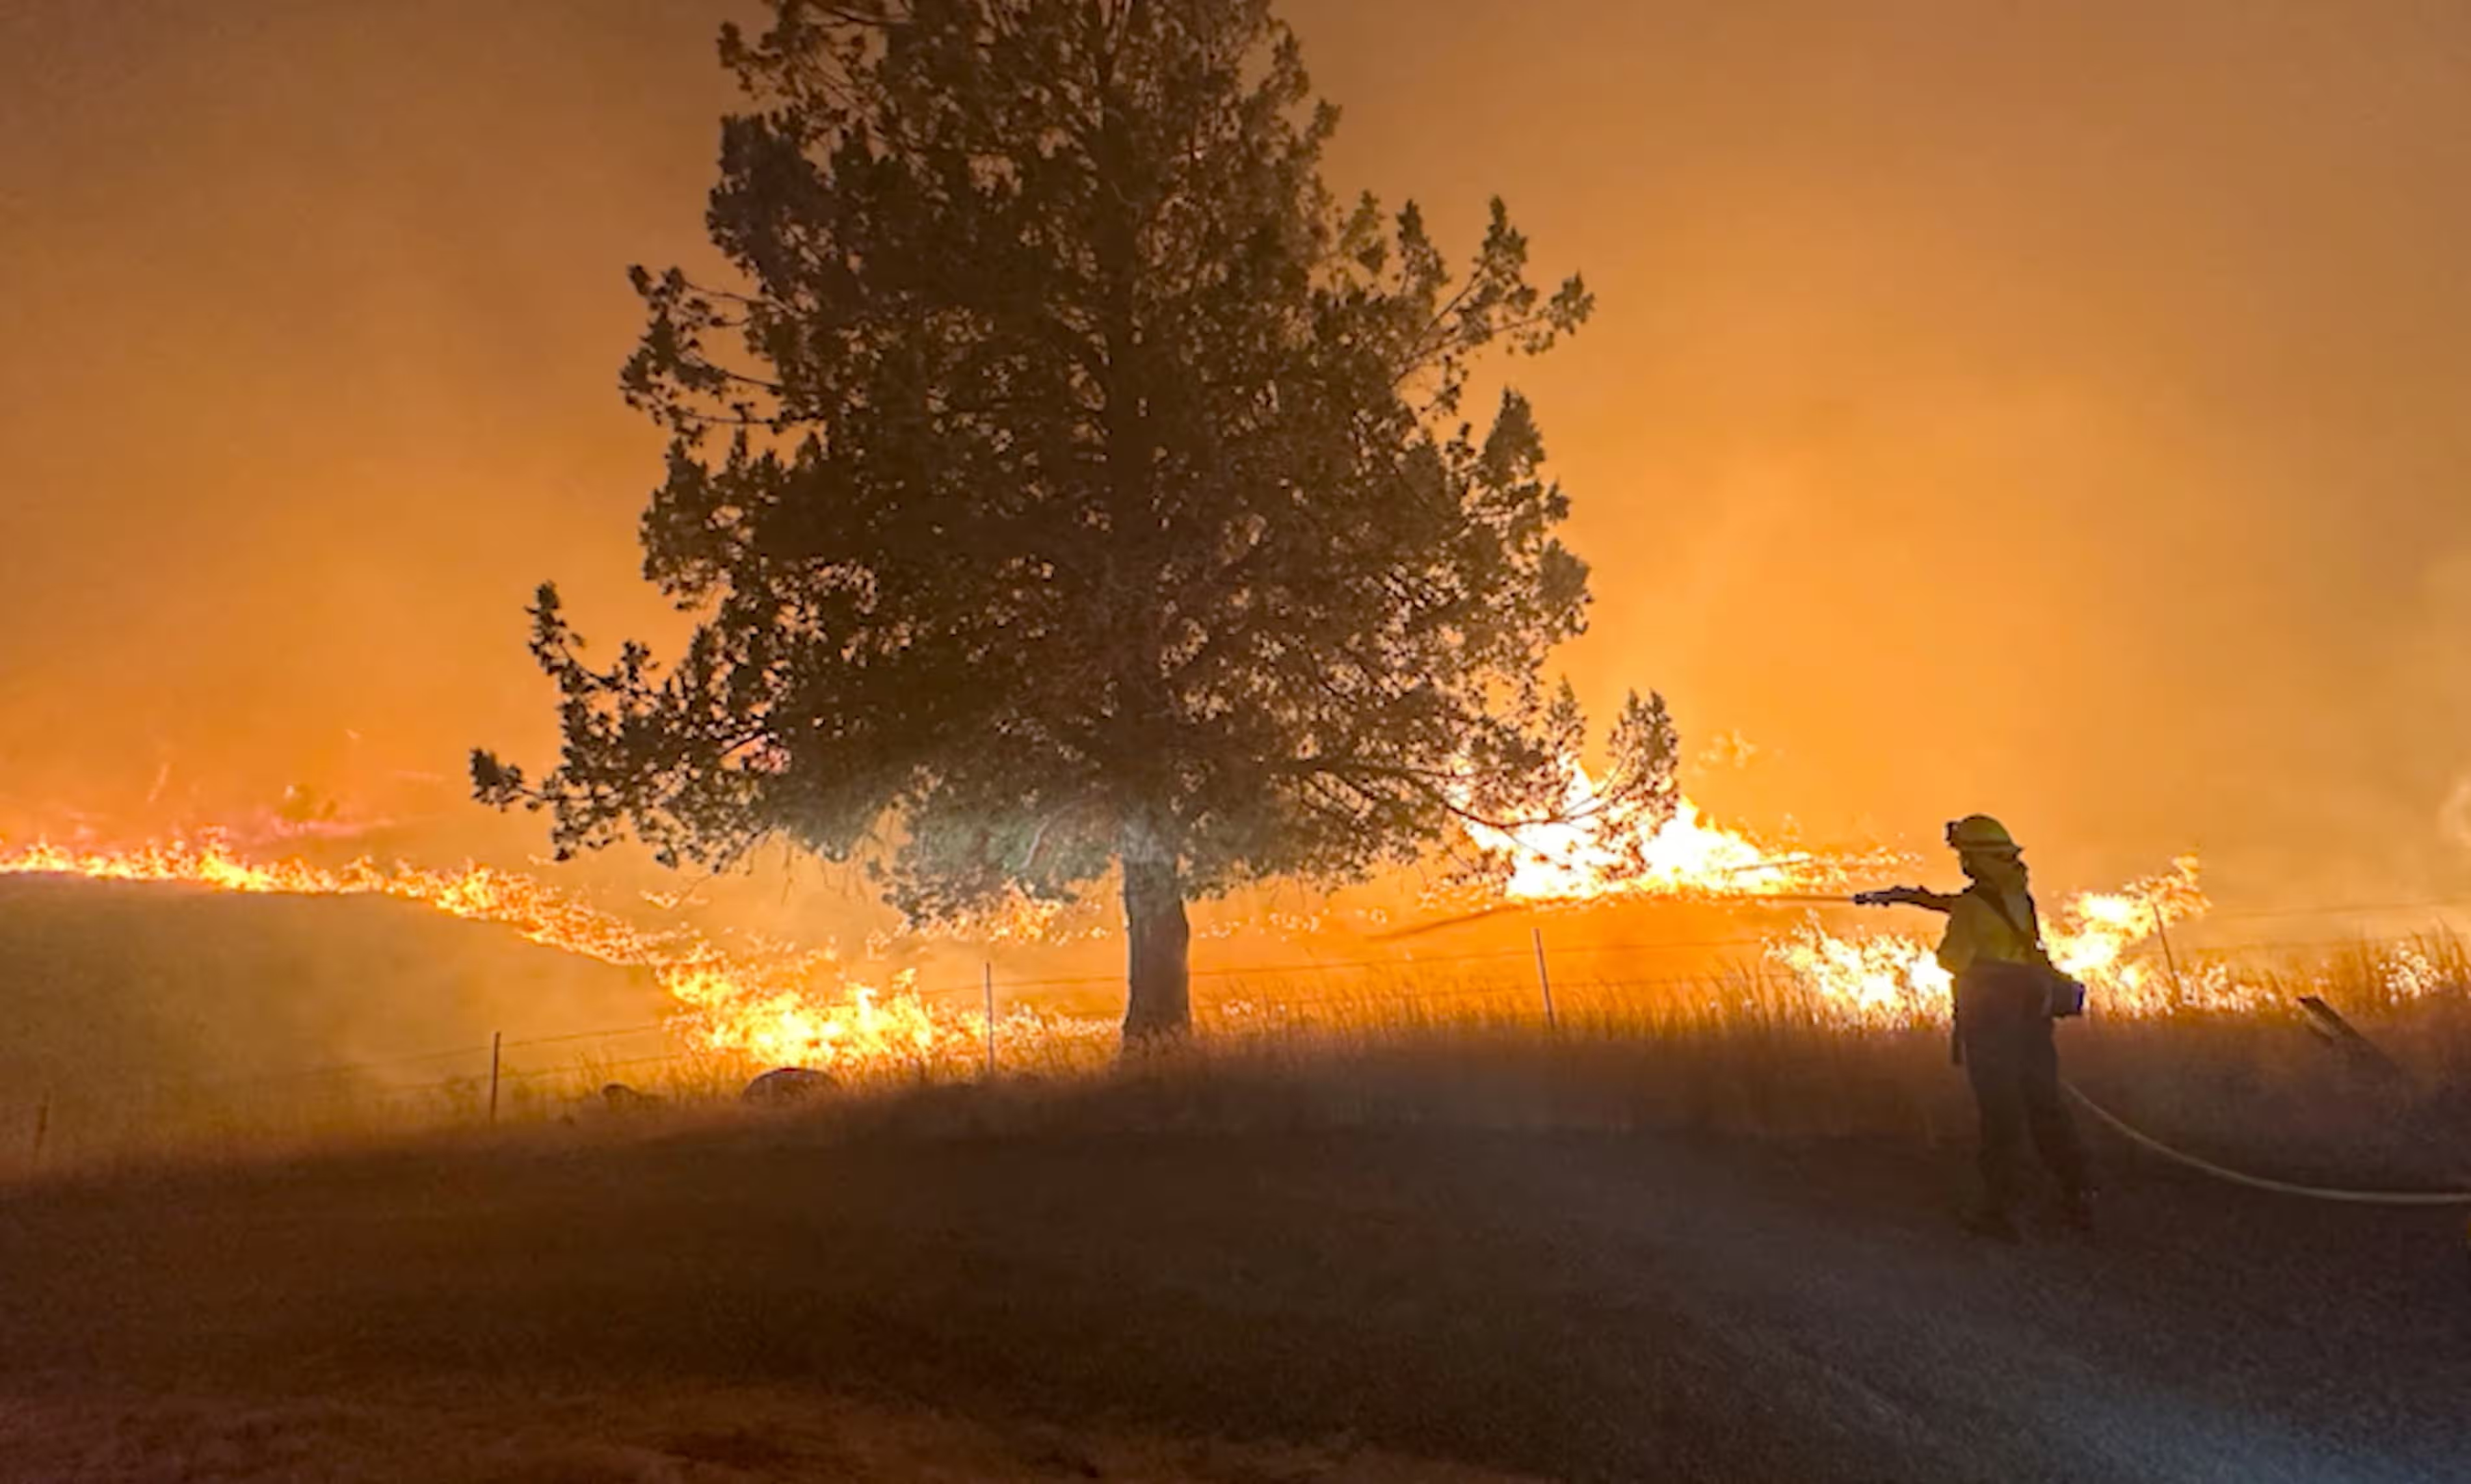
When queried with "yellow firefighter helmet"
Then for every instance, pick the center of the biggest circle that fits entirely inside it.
(1981, 834)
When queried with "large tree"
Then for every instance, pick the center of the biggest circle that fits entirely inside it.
(1066, 485)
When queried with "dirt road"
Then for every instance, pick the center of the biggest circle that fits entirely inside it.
(1566, 1305)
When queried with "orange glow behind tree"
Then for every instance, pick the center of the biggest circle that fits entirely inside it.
(1066, 485)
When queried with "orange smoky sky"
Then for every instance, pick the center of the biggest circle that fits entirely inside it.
(2057, 409)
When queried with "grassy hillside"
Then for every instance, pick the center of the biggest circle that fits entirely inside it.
(120, 1001)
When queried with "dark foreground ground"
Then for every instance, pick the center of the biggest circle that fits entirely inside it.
(762, 1303)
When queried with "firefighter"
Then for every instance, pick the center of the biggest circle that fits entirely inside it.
(2008, 995)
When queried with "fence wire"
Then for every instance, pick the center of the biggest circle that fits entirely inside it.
(1234, 1009)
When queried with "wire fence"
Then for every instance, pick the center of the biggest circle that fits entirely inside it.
(983, 1026)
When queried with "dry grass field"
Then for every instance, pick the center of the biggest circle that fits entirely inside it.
(1715, 1247)
(1742, 1053)
(1377, 1227)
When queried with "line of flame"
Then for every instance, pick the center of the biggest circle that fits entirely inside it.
(786, 1007)
(802, 1008)
(1893, 978)
(1597, 852)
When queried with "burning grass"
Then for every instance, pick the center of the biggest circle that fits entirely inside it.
(783, 1004)
(1329, 1158)
(1804, 1030)
(1750, 1051)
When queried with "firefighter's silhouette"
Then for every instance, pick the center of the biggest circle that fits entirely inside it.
(2007, 996)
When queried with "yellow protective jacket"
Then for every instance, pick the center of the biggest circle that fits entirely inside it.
(1980, 934)
(1977, 932)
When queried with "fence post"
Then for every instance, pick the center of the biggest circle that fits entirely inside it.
(1544, 980)
(987, 978)
(496, 1038)
(2163, 932)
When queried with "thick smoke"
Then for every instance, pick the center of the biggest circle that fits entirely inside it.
(2047, 410)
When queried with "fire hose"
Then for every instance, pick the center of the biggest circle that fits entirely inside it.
(2153, 1146)
(2109, 1119)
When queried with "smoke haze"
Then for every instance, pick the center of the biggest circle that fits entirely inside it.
(2053, 410)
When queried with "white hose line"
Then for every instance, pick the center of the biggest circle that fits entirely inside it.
(2260, 1181)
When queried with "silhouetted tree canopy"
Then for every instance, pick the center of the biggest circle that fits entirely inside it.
(1065, 483)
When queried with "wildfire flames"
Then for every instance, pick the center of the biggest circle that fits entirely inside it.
(787, 1007)
(2098, 937)
(794, 1007)
(539, 913)
(1883, 978)
(1593, 853)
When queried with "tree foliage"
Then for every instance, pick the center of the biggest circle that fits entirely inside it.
(1067, 481)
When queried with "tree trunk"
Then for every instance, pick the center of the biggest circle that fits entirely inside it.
(1160, 941)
